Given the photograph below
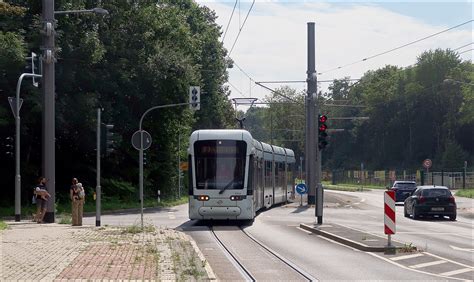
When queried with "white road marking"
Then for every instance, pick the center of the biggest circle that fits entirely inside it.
(455, 272)
(452, 261)
(462, 249)
(407, 257)
(404, 267)
(421, 265)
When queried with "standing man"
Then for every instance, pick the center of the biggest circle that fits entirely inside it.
(42, 196)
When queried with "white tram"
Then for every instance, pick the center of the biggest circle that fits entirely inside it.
(232, 175)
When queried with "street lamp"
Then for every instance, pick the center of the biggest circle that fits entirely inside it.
(48, 146)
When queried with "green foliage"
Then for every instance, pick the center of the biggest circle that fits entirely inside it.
(3, 225)
(142, 55)
(468, 193)
(413, 114)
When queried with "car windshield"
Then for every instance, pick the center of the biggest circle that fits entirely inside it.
(436, 193)
(220, 164)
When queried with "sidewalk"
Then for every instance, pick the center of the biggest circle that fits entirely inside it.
(31, 251)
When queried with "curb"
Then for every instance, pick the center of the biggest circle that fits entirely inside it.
(210, 273)
(345, 241)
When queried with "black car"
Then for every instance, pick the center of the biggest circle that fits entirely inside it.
(403, 189)
(430, 200)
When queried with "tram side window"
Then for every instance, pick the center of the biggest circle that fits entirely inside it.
(268, 174)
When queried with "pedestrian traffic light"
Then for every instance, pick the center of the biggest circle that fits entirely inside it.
(195, 98)
(9, 146)
(322, 128)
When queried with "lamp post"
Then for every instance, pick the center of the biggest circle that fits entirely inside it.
(48, 79)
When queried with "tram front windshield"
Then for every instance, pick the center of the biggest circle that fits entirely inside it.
(220, 164)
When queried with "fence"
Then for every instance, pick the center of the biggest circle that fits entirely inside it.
(453, 180)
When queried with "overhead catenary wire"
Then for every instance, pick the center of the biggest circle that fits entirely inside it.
(241, 27)
(230, 19)
(396, 48)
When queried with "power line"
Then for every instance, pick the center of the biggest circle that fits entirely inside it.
(396, 48)
(246, 74)
(463, 46)
(230, 19)
(465, 51)
(241, 27)
(235, 88)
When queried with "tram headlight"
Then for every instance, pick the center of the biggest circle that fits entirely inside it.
(203, 198)
(237, 198)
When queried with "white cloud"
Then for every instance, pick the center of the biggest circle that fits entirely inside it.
(273, 42)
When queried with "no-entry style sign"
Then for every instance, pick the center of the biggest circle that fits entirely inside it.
(427, 163)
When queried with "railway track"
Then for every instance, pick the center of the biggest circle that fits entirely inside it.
(254, 260)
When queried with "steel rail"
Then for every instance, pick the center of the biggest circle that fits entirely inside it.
(281, 258)
(245, 273)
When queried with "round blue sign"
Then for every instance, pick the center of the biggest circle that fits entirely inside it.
(301, 189)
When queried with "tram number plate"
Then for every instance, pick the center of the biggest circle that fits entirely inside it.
(437, 209)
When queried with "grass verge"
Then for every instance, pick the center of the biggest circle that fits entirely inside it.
(3, 225)
(350, 187)
(108, 204)
(468, 193)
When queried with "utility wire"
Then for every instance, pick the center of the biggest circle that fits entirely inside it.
(396, 48)
(230, 19)
(463, 46)
(465, 51)
(241, 27)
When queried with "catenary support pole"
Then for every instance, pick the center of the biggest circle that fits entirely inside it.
(98, 188)
(48, 145)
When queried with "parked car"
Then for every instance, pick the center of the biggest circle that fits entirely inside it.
(430, 200)
(403, 189)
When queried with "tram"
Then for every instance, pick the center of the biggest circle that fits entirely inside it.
(232, 175)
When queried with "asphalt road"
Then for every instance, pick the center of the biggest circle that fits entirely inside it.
(447, 246)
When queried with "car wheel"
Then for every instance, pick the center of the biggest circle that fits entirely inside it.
(452, 217)
(405, 211)
(415, 214)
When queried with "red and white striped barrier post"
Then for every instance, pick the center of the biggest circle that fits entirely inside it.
(389, 215)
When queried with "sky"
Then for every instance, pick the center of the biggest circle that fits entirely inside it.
(272, 45)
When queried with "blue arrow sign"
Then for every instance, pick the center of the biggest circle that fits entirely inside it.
(301, 189)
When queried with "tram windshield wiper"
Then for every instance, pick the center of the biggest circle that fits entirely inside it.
(227, 186)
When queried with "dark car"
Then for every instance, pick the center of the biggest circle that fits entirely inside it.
(403, 189)
(431, 200)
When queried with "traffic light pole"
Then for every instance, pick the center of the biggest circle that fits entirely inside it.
(140, 151)
(98, 188)
(313, 156)
(17, 145)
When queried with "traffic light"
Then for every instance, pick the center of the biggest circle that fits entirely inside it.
(322, 128)
(109, 139)
(195, 98)
(144, 158)
(9, 146)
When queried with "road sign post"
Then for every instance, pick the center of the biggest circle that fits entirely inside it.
(301, 189)
(389, 216)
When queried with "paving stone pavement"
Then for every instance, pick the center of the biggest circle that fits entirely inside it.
(57, 252)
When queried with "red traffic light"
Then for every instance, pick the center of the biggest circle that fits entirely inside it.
(323, 118)
(323, 127)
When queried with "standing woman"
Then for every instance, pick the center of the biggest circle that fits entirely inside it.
(42, 195)
(77, 203)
